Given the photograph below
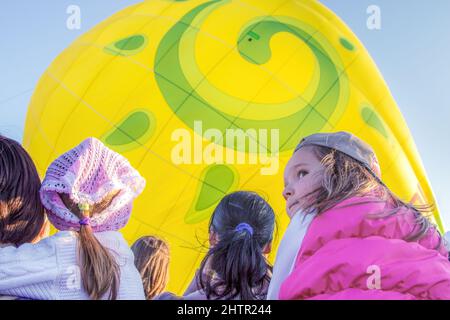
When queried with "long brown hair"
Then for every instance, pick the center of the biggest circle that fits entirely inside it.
(151, 258)
(22, 214)
(100, 272)
(343, 177)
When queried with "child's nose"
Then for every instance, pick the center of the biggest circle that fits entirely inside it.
(287, 192)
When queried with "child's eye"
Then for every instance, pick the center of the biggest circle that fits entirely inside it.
(302, 173)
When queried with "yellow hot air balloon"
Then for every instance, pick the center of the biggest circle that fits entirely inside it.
(164, 82)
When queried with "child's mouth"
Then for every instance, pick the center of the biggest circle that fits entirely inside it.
(292, 205)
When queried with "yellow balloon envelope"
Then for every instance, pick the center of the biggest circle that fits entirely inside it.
(170, 83)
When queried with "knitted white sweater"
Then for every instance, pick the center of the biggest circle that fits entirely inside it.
(48, 270)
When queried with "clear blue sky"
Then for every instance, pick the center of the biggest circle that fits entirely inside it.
(411, 50)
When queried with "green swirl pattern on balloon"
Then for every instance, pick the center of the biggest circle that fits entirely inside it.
(308, 116)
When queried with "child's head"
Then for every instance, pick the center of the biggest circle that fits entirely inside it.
(327, 168)
(241, 230)
(90, 189)
(302, 176)
(22, 215)
(151, 257)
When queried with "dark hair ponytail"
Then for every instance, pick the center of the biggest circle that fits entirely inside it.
(236, 266)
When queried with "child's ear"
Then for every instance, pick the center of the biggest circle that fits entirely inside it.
(44, 233)
(213, 239)
(267, 248)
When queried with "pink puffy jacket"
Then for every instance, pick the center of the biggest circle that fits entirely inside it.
(343, 248)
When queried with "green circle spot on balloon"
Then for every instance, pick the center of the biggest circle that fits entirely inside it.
(219, 176)
(372, 119)
(131, 132)
(127, 46)
(347, 44)
(217, 180)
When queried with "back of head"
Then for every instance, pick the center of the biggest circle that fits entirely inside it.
(151, 258)
(22, 215)
(89, 189)
(235, 266)
(88, 173)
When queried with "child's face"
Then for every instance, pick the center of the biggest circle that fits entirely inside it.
(302, 175)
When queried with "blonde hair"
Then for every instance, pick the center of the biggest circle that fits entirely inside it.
(344, 177)
(100, 272)
(151, 258)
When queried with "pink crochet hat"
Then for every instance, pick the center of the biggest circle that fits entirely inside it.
(88, 173)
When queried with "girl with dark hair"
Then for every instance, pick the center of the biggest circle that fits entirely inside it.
(22, 215)
(235, 267)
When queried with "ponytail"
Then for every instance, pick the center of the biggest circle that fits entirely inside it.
(240, 265)
(235, 267)
(100, 272)
(99, 269)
